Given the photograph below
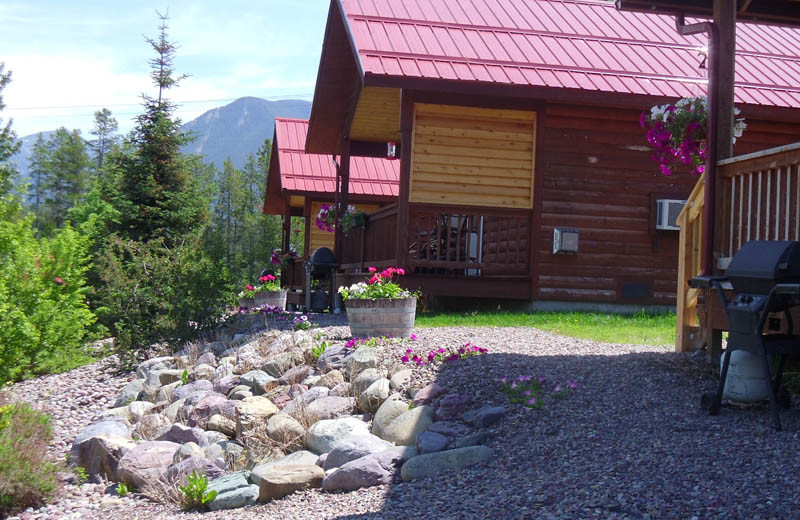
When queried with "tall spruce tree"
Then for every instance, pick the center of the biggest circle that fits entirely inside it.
(8, 141)
(105, 132)
(39, 167)
(67, 179)
(158, 197)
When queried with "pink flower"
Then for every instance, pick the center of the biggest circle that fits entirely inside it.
(532, 401)
(59, 280)
(404, 359)
(400, 271)
(375, 279)
(372, 269)
(250, 287)
(414, 337)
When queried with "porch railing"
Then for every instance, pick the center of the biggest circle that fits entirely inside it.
(761, 201)
(374, 244)
(474, 241)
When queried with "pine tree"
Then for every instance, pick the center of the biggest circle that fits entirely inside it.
(8, 141)
(157, 195)
(105, 129)
(39, 169)
(67, 179)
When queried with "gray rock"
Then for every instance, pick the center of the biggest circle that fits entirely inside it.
(299, 405)
(392, 408)
(151, 427)
(284, 429)
(444, 461)
(371, 470)
(206, 358)
(474, 439)
(258, 381)
(295, 375)
(404, 429)
(361, 359)
(450, 428)
(210, 437)
(301, 457)
(340, 390)
(233, 491)
(323, 435)
(116, 426)
(333, 358)
(130, 393)
(365, 378)
(184, 391)
(208, 405)
(279, 481)
(171, 411)
(354, 447)
(225, 384)
(146, 463)
(163, 377)
(251, 412)
(430, 442)
(203, 372)
(451, 405)
(182, 434)
(100, 454)
(278, 364)
(331, 379)
(222, 424)
(165, 392)
(407, 452)
(485, 416)
(159, 363)
(137, 409)
(177, 472)
(190, 449)
(373, 397)
(330, 408)
(427, 394)
(400, 378)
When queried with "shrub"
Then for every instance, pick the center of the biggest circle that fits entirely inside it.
(26, 478)
(154, 294)
(44, 317)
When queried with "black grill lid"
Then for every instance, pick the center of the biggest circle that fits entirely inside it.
(760, 264)
(323, 256)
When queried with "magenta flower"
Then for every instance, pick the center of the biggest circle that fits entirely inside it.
(404, 359)
(413, 337)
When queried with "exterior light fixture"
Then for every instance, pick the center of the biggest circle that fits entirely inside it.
(391, 150)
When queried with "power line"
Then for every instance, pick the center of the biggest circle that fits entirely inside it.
(57, 107)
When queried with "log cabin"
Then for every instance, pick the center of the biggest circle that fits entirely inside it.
(524, 173)
(299, 183)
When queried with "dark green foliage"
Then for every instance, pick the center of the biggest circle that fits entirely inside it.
(8, 141)
(159, 294)
(27, 479)
(105, 128)
(67, 173)
(39, 167)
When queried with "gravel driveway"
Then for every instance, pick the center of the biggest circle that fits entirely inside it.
(629, 442)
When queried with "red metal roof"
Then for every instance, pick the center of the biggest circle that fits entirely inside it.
(577, 44)
(301, 171)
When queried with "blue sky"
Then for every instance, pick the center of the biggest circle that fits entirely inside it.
(69, 59)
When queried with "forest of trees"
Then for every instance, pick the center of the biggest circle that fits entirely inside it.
(123, 235)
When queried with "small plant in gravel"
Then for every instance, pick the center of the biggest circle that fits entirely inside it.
(442, 354)
(317, 350)
(301, 323)
(123, 489)
(531, 392)
(194, 492)
(81, 475)
(27, 479)
(185, 377)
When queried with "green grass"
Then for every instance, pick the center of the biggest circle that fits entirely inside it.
(640, 328)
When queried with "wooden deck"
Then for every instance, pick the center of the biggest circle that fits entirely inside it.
(761, 194)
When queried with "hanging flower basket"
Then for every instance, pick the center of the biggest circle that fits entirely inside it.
(326, 218)
(678, 133)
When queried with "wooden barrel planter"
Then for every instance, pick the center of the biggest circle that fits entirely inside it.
(272, 298)
(381, 317)
(246, 303)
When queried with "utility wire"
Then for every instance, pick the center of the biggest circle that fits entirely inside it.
(271, 97)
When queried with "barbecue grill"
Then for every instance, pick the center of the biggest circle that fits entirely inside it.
(765, 278)
(321, 266)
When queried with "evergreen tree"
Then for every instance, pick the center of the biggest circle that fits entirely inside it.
(8, 141)
(39, 170)
(67, 179)
(157, 195)
(105, 130)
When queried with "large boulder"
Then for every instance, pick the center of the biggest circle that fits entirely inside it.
(233, 491)
(400, 378)
(354, 447)
(100, 455)
(366, 378)
(183, 391)
(302, 457)
(331, 407)
(323, 435)
(373, 397)
(444, 461)
(177, 472)
(113, 426)
(427, 394)
(360, 360)
(158, 363)
(432, 442)
(331, 379)
(370, 470)
(278, 364)
(151, 427)
(295, 375)
(333, 358)
(286, 430)
(183, 434)
(146, 462)
(258, 381)
(279, 481)
(392, 408)
(252, 412)
(130, 393)
(404, 429)
(208, 405)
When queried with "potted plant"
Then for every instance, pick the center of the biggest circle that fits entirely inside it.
(268, 292)
(379, 306)
(247, 298)
(678, 132)
(326, 218)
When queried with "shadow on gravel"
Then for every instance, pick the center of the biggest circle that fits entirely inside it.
(630, 441)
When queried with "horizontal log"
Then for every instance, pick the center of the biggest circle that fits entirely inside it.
(421, 175)
(474, 161)
(473, 133)
(421, 165)
(522, 146)
(476, 200)
(484, 151)
(474, 112)
(457, 188)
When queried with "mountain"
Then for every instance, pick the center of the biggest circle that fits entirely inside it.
(239, 129)
(234, 130)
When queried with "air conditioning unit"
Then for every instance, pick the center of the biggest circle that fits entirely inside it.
(667, 211)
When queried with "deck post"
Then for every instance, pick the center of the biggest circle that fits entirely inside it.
(342, 192)
(406, 131)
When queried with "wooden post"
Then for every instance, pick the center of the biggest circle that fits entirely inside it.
(344, 190)
(287, 227)
(407, 133)
(309, 222)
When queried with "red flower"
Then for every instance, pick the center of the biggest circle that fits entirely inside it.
(375, 279)
(250, 287)
(267, 278)
(59, 280)
(400, 271)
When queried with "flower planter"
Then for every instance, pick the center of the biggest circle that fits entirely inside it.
(381, 317)
(272, 298)
(246, 303)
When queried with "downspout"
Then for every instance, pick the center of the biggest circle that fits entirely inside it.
(710, 28)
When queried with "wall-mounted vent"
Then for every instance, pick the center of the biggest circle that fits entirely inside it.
(667, 211)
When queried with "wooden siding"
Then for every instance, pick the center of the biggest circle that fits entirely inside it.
(377, 116)
(320, 238)
(473, 156)
(597, 176)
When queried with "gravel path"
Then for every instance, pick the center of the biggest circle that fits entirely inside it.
(629, 442)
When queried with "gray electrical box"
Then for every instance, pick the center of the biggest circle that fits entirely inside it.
(565, 240)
